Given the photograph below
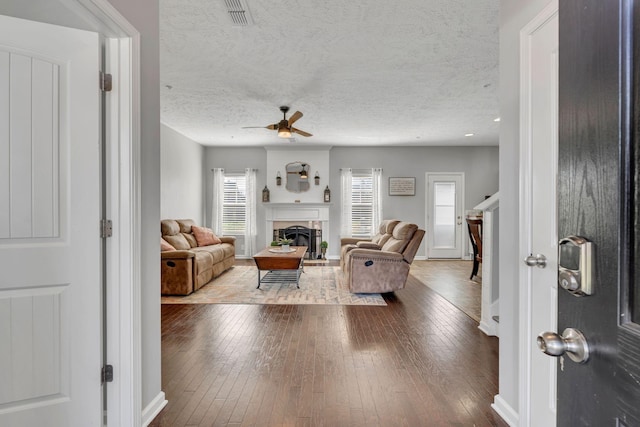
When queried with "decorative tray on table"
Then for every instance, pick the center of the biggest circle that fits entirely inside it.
(281, 251)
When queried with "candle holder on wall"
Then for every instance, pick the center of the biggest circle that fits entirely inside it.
(317, 178)
(278, 179)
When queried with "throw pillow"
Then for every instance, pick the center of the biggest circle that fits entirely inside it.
(205, 236)
(165, 246)
(178, 241)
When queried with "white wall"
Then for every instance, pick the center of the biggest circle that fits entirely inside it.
(181, 176)
(480, 165)
(514, 14)
(278, 157)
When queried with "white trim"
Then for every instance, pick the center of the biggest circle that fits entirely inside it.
(153, 409)
(525, 207)
(490, 302)
(123, 205)
(103, 17)
(502, 408)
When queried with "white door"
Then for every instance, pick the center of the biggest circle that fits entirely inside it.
(445, 193)
(50, 328)
(540, 164)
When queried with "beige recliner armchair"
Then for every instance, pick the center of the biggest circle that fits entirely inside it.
(385, 269)
(376, 242)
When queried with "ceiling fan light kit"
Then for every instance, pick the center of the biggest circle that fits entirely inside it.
(283, 132)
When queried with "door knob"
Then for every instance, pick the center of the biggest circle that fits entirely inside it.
(571, 342)
(537, 260)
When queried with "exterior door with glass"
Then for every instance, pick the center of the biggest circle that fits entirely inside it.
(445, 193)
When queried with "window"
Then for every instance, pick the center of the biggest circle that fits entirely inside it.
(361, 201)
(234, 210)
(362, 204)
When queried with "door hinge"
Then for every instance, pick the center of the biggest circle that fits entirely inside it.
(107, 374)
(105, 82)
(106, 228)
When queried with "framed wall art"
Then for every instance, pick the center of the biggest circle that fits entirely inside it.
(402, 186)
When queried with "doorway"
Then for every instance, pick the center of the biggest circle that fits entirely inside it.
(444, 219)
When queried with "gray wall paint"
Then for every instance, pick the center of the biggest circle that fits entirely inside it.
(514, 14)
(181, 180)
(144, 16)
(49, 11)
(480, 165)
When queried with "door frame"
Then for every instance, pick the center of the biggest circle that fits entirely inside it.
(463, 254)
(527, 337)
(122, 174)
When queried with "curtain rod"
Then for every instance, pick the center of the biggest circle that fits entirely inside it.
(235, 170)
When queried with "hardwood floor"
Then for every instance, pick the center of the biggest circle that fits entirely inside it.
(419, 361)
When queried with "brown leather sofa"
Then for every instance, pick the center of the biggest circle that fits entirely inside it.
(189, 266)
(385, 269)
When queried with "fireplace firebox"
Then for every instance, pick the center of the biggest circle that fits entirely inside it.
(301, 236)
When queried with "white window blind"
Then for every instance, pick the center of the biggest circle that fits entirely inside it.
(362, 204)
(234, 218)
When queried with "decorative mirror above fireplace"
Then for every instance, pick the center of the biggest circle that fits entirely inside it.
(298, 177)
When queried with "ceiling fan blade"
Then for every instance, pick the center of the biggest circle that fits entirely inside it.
(272, 127)
(295, 117)
(301, 132)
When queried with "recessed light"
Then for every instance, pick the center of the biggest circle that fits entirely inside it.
(497, 119)
(469, 134)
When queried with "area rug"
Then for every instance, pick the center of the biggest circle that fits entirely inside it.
(322, 285)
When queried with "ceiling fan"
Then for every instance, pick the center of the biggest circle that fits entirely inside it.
(284, 126)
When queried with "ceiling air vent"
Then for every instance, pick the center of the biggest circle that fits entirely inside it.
(239, 12)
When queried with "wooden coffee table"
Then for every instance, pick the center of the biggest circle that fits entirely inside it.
(280, 266)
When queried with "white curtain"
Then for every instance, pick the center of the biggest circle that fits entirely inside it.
(217, 203)
(250, 231)
(376, 215)
(345, 183)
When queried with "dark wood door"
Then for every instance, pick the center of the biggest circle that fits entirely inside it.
(597, 198)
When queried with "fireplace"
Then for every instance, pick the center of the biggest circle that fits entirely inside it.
(301, 236)
(307, 224)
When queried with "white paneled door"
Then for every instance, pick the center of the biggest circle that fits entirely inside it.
(50, 328)
(445, 220)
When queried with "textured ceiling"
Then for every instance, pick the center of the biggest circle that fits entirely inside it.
(370, 72)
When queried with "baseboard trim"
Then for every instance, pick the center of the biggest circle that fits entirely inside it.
(490, 329)
(420, 258)
(506, 412)
(153, 409)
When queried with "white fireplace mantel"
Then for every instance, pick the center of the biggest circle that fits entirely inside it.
(310, 214)
(297, 211)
